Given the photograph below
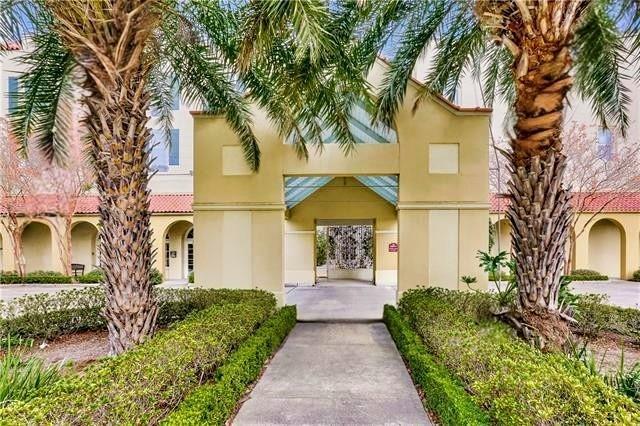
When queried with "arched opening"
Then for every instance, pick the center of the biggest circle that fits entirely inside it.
(501, 237)
(84, 237)
(606, 248)
(178, 250)
(36, 247)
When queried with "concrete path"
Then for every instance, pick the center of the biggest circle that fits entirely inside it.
(337, 301)
(332, 373)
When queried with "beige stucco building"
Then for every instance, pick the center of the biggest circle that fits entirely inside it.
(250, 235)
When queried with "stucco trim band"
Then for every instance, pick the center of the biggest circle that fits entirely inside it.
(238, 206)
(443, 205)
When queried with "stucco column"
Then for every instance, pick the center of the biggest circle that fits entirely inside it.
(413, 253)
(632, 251)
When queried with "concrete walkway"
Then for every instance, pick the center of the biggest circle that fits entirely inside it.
(332, 373)
(340, 300)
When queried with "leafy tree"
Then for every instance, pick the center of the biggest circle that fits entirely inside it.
(123, 57)
(529, 53)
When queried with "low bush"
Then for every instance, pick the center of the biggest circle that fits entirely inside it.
(214, 402)
(35, 277)
(587, 275)
(636, 276)
(92, 277)
(594, 316)
(517, 383)
(191, 278)
(47, 315)
(143, 385)
(444, 394)
(156, 277)
(19, 379)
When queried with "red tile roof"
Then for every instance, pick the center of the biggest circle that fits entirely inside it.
(10, 46)
(88, 204)
(606, 202)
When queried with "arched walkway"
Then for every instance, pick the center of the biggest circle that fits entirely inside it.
(177, 253)
(36, 247)
(84, 237)
(607, 248)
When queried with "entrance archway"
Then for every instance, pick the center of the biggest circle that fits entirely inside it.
(36, 247)
(606, 248)
(177, 253)
(84, 237)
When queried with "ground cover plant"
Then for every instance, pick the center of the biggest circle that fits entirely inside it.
(443, 394)
(517, 383)
(215, 401)
(21, 378)
(144, 384)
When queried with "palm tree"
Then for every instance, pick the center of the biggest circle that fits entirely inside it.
(530, 53)
(123, 57)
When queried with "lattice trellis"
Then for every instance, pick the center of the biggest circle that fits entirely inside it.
(350, 247)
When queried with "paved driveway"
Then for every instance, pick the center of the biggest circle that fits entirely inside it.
(335, 374)
(620, 293)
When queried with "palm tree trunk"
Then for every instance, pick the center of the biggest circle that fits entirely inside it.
(108, 39)
(540, 208)
(119, 150)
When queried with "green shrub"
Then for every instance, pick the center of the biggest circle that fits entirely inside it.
(587, 275)
(47, 315)
(35, 277)
(517, 383)
(636, 276)
(595, 316)
(191, 278)
(627, 382)
(214, 402)
(156, 277)
(92, 277)
(141, 386)
(19, 379)
(444, 394)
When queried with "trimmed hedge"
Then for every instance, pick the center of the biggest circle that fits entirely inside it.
(47, 315)
(96, 276)
(444, 394)
(214, 402)
(587, 275)
(35, 277)
(636, 276)
(143, 385)
(517, 383)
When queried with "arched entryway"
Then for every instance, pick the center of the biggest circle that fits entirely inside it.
(177, 250)
(36, 247)
(606, 248)
(84, 237)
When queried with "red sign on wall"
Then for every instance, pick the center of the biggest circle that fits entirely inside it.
(393, 247)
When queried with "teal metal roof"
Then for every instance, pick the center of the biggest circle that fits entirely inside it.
(297, 189)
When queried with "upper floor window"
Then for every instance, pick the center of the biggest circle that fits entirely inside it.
(12, 91)
(165, 153)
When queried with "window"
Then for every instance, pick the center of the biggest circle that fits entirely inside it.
(164, 153)
(12, 91)
(175, 100)
(174, 148)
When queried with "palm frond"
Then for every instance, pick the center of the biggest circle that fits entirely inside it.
(599, 64)
(206, 82)
(421, 29)
(45, 104)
